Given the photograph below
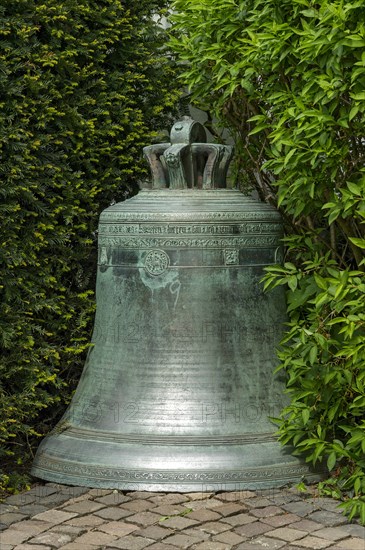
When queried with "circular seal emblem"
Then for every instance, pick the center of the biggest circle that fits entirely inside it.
(156, 262)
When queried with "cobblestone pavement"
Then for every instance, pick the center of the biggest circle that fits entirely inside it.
(77, 518)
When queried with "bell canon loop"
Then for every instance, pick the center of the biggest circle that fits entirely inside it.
(179, 384)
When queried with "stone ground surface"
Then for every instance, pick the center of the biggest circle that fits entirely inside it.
(78, 518)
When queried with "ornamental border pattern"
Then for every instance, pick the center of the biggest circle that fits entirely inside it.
(198, 229)
(173, 476)
(225, 242)
(115, 216)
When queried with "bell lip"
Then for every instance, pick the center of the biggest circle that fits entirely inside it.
(63, 459)
(181, 484)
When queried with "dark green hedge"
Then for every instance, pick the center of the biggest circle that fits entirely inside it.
(83, 85)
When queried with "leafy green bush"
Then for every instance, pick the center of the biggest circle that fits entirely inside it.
(288, 79)
(84, 86)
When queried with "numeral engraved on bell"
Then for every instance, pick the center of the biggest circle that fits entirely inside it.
(175, 289)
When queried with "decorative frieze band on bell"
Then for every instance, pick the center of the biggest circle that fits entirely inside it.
(188, 162)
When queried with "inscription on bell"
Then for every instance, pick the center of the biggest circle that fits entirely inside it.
(202, 229)
(139, 242)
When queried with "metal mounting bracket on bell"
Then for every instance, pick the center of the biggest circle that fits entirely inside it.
(179, 384)
(188, 162)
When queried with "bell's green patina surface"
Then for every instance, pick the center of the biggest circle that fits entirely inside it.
(178, 386)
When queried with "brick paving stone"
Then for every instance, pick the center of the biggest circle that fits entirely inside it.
(160, 546)
(266, 512)
(203, 515)
(229, 538)
(329, 504)
(301, 508)
(287, 533)
(68, 530)
(33, 509)
(199, 495)
(86, 521)
(207, 504)
(76, 546)
(8, 547)
(262, 542)
(212, 545)
(181, 540)
(9, 518)
(212, 503)
(96, 538)
(281, 520)
(22, 498)
(74, 500)
(12, 536)
(99, 493)
(132, 543)
(239, 519)
(253, 529)
(354, 530)
(113, 499)
(228, 509)
(170, 498)
(5, 508)
(329, 519)
(237, 496)
(74, 491)
(137, 505)
(178, 522)
(249, 545)
(197, 533)
(118, 528)
(168, 509)
(268, 493)
(313, 543)
(258, 502)
(350, 544)
(332, 533)
(55, 516)
(55, 540)
(114, 513)
(142, 494)
(84, 507)
(307, 525)
(28, 547)
(32, 526)
(280, 499)
(215, 527)
(309, 491)
(41, 491)
(154, 532)
(54, 500)
(229, 518)
(144, 518)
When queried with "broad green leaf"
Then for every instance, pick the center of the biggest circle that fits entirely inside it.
(331, 461)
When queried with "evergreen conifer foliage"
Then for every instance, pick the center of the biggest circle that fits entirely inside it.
(83, 87)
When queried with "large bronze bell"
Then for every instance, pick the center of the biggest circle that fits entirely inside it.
(178, 385)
